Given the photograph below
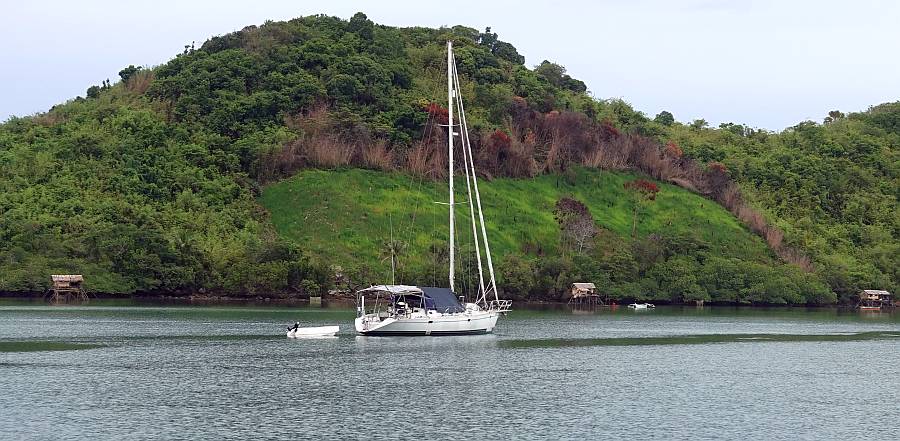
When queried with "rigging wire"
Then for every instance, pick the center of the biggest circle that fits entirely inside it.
(414, 187)
(487, 248)
(469, 165)
(417, 183)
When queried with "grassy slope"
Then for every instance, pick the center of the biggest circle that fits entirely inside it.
(345, 216)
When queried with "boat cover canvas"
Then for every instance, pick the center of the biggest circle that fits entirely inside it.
(393, 289)
(438, 299)
(441, 299)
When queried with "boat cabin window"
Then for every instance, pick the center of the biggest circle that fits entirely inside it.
(407, 301)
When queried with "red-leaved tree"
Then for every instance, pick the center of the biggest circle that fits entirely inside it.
(672, 150)
(440, 114)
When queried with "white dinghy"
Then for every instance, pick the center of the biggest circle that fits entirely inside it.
(641, 305)
(315, 331)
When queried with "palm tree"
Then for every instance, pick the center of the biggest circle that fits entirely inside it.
(392, 249)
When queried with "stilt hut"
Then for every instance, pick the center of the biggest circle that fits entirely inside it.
(584, 294)
(66, 287)
(874, 299)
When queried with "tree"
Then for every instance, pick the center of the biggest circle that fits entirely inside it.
(516, 276)
(310, 287)
(665, 118)
(362, 26)
(500, 49)
(673, 151)
(576, 223)
(677, 279)
(737, 129)
(93, 91)
(393, 250)
(344, 88)
(699, 123)
(128, 72)
(551, 72)
(487, 38)
(833, 116)
(642, 192)
(717, 179)
(556, 75)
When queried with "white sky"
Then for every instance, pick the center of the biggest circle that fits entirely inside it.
(766, 63)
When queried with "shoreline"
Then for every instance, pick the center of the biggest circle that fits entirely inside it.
(348, 298)
(349, 302)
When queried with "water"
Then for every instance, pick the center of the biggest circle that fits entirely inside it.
(228, 372)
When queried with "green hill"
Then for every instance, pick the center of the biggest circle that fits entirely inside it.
(349, 216)
(152, 184)
(345, 215)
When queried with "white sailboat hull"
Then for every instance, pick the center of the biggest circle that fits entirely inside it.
(464, 323)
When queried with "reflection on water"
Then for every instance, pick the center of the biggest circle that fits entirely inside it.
(171, 371)
(36, 345)
(694, 339)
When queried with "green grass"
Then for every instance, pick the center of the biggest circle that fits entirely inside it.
(344, 217)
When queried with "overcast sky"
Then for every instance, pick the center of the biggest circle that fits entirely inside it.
(769, 64)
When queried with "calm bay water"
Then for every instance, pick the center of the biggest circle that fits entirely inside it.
(227, 372)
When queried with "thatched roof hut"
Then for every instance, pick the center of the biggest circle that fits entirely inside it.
(583, 290)
(874, 294)
(65, 287)
(67, 280)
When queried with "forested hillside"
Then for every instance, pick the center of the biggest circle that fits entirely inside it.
(831, 187)
(150, 184)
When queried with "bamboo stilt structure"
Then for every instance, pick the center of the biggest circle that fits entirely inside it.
(66, 288)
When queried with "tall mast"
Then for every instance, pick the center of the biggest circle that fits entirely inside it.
(450, 94)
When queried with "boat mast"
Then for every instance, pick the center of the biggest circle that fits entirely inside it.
(450, 134)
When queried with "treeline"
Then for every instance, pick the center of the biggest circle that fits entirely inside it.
(661, 268)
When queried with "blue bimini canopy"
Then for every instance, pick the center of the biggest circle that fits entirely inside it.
(441, 299)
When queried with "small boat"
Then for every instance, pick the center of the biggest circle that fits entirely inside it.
(641, 305)
(317, 331)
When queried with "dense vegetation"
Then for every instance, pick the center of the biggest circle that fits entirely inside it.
(831, 187)
(149, 184)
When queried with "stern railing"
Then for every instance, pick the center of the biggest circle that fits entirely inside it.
(500, 305)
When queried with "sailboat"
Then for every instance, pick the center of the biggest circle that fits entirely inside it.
(426, 310)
